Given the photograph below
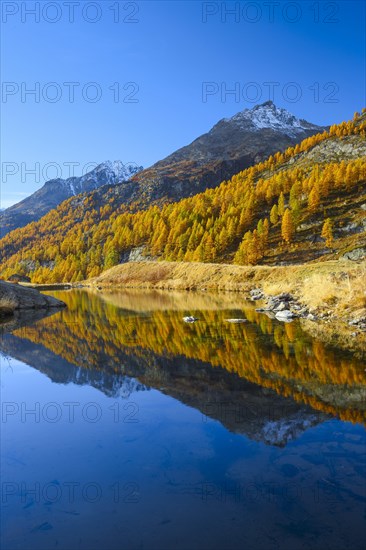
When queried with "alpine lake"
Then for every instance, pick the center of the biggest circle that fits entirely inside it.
(124, 427)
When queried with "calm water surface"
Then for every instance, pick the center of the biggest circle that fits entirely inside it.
(125, 428)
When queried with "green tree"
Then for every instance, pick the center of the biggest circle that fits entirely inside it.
(111, 258)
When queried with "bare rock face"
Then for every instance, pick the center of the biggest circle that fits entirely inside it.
(16, 297)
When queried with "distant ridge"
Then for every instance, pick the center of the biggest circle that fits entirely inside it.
(55, 191)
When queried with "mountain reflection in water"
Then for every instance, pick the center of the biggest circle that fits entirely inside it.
(264, 378)
(208, 436)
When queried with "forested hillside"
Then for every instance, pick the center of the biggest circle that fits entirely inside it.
(303, 204)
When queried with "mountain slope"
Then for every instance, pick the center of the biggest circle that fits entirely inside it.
(230, 146)
(242, 220)
(56, 191)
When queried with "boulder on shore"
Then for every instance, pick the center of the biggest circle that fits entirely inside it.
(15, 297)
(285, 315)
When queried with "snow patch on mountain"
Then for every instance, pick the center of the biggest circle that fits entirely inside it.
(72, 188)
(106, 173)
(267, 115)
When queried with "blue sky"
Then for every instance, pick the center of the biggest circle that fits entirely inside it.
(159, 55)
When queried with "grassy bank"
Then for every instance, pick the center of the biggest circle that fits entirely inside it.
(334, 290)
(337, 285)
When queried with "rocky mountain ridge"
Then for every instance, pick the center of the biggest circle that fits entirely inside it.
(57, 190)
(232, 145)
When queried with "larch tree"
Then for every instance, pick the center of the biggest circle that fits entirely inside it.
(327, 232)
(314, 199)
(274, 215)
(287, 227)
(281, 204)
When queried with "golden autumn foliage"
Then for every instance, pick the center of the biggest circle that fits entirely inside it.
(287, 227)
(327, 232)
(92, 332)
(80, 239)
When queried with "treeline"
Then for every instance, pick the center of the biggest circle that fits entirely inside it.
(237, 221)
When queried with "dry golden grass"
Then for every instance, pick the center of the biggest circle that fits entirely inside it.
(335, 285)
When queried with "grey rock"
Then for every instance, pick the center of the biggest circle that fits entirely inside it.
(285, 315)
(15, 297)
(256, 294)
(355, 254)
(270, 314)
(137, 254)
(285, 296)
(282, 306)
(255, 291)
(348, 148)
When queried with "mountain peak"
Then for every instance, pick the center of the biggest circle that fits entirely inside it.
(118, 170)
(268, 115)
(268, 103)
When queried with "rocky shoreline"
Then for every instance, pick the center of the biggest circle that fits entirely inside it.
(347, 333)
(285, 307)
